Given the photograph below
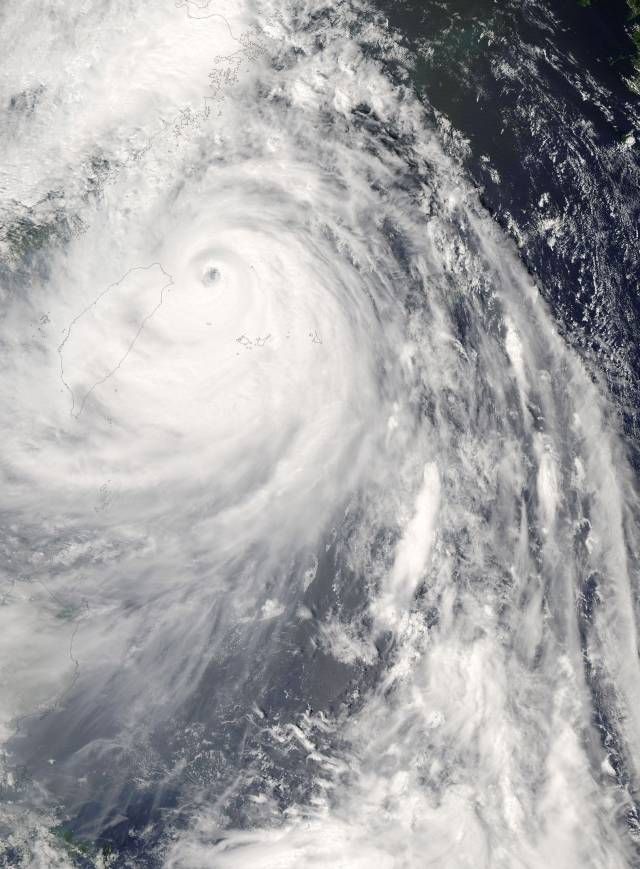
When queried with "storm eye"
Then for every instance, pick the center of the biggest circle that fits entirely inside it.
(210, 277)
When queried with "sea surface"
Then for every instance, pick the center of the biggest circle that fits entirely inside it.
(319, 404)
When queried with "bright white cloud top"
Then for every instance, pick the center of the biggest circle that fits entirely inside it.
(319, 542)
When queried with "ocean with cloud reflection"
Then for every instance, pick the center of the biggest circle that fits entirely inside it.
(319, 418)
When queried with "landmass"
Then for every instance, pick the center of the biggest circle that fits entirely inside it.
(634, 33)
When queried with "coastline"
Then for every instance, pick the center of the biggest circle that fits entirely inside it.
(633, 32)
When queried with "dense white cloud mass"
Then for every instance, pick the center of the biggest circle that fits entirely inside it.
(319, 544)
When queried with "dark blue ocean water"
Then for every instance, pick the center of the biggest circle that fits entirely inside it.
(531, 98)
(538, 91)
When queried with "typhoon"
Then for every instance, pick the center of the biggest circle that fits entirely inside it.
(319, 541)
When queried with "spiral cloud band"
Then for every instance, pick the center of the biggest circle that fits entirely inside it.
(319, 541)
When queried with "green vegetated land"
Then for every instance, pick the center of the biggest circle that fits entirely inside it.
(634, 32)
(84, 855)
